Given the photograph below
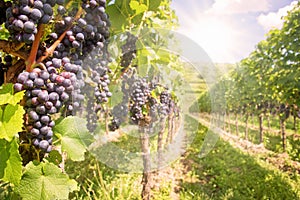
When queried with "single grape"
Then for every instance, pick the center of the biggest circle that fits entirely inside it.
(44, 144)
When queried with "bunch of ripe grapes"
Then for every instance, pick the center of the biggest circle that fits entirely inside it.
(63, 42)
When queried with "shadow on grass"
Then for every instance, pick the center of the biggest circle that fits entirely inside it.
(227, 173)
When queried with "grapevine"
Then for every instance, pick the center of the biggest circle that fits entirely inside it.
(59, 50)
(55, 62)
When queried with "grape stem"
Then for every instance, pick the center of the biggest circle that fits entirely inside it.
(50, 50)
(34, 49)
(13, 49)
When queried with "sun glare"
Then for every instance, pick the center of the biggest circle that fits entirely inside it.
(215, 35)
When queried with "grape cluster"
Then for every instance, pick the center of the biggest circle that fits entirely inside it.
(128, 51)
(78, 48)
(120, 111)
(114, 125)
(93, 30)
(166, 103)
(42, 98)
(23, 17)
(140, 104)
(68, 75)
(139, 97)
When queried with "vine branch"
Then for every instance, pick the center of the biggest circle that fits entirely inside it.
(50, 50)
(13, 49)
(34, 49)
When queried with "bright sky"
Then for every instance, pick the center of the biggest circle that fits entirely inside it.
(228, 30)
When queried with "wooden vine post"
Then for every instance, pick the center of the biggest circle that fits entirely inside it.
(145, 145)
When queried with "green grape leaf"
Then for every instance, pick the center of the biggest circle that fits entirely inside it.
(54, 157)
(138, 7)
(154, 4)
(117, 94)
(74, 136)
(4, 34)
(118, 18)
(45, 181)
(7, 96)
(11, 121)
(10, 162)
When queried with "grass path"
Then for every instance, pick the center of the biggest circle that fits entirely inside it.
(233, 170)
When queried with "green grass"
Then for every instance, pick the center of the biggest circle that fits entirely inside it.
(227, 173)
(97, 181)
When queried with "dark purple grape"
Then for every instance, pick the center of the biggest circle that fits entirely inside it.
(59, 79)
(44, 75)
(18, 25)
(56, 62)
(51, 124)
(53, 77)
(35, 92)
(81, 23)
(38, 4)
(53, 36)
(53, 96)
(35, 142)
(26, 10)
(68, 20)
(35, 14)
(80, 37)
(33, 116)
(43, 96)
(38, 82)
(58, 104)
(75, 44)
(35, 132)
(29, 27)
(44, 130)
(34, 101)
(45, 119)
(49, 149)
(28, 38)
(66, 83)
(60, 89)
(49, 135)
(48, 105)
(48, 9)
(46, 19)
(28, 84)
(41, 109)
(61, 10)
(18, 87)
(37, 124)
(64, 97)
(33, 75)
(44, 144)
(52, 110)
